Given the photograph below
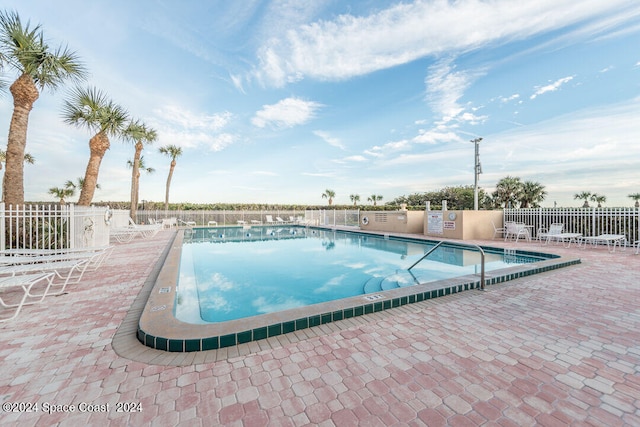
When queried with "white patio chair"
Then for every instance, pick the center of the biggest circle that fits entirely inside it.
(66, 271)
(516, 230)
(497, 231)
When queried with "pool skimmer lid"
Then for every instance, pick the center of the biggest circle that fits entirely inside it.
(373, 297)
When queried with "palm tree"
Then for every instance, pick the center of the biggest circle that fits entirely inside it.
(174, 152)
(61, 193)
(28, 158)
(508, 191)
(73, 186)
(636, 197)
(39, 67)
(355, 198)
(374, 198)
(584, 195)
(599, 199)
(92, 109)
(329, 194)
(139, 134)
(532, 194)
(141, 167)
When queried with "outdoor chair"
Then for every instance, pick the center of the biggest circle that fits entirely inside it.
(497, 231)
(64, 270)
(24, 283)
(548, 234)
(516, 230)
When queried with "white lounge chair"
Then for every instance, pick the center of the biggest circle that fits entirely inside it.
(169, 222)
(548, 234)
(95, 255)
(212, 223)
(66, 271)
(611, 240)
(269, 219)
(25, 283)
(280, 220)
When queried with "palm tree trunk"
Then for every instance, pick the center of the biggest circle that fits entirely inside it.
(135, 181)
(166, 195)
(98, 145)
(24, 94)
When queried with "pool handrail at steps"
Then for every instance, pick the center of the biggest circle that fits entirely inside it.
(472, 245)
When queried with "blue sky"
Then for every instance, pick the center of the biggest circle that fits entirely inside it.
(274, 102)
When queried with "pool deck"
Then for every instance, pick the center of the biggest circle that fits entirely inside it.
(553, 349)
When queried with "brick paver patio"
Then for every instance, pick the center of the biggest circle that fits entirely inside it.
(554, 349)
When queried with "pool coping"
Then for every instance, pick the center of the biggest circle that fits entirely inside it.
(159, 329)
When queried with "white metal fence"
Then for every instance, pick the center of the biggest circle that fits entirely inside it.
(587, 221)
(52, 226)
(231, 217)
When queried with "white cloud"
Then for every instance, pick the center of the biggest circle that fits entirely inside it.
(286, 113)
(444, 88)
(434, 137)
(176, 125)
(333, 141)
(349, 46)
(552, 87)
(356, 158)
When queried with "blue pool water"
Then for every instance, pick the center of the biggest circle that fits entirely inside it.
(233, 273)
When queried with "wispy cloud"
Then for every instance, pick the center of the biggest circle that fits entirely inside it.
(286, 113)
(349, 46)
(551, 87)
(179, 126)
(331, 140)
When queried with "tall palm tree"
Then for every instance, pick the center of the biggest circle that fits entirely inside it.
(599, 199)
(533, 193)
(508, 191)
(329, 194)
(636, 197)
(139, 134)
(39, 67)
(174, 152)
(375, 198)
(92, 109)
(61, 193)
(584, 195)
(141, 167)
(28, 158)
(355, 198)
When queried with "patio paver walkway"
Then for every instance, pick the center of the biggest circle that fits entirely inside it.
(554, 349)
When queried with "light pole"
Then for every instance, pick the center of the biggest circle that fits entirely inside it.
(477, 172)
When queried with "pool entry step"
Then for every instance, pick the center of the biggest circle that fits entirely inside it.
(398, 279)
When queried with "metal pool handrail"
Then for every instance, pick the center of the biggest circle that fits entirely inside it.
(425, 255)
(460, 244)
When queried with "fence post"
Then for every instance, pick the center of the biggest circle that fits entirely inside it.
(2, 227)
(72, 226)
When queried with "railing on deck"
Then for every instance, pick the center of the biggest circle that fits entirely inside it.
(203, 218)
(52, 226)
(587, 221)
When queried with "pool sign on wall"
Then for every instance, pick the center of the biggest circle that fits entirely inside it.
(434, 223)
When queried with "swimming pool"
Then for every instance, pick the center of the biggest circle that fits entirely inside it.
(159, 328)
(234, 273)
